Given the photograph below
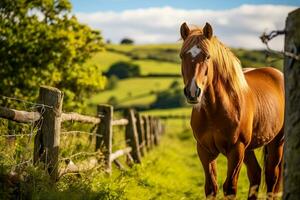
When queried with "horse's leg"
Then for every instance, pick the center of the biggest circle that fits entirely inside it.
(234, 163)
(273, 165)
(253, 172)
(209, 166)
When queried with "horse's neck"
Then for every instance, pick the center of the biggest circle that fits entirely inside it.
(225, 95)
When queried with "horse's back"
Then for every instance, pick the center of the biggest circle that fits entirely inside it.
(267, 89)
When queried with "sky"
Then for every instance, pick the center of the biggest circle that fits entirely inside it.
(237, 23)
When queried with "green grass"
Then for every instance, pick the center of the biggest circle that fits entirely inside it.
(158, 67)
(134, 91)
(105, 59)
(171, 170)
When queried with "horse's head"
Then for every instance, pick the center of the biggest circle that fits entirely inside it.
(195, 59)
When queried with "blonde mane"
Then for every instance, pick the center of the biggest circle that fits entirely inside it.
(226, 65)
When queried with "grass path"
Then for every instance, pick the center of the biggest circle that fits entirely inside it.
(173, 171)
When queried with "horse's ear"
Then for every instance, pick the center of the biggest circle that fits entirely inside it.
(208, 31)
(184, 31)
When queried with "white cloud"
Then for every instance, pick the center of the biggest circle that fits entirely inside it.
(237, 27)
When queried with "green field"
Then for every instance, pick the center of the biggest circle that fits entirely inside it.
(134, 91)
(171, 170)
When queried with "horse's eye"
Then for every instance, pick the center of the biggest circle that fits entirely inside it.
(207, 57)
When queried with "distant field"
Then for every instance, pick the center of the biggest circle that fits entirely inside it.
(152, 59)
(163, 58)
(158, 67)
(105, 59)
(134, 91)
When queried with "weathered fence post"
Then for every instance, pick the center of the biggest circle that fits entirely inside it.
(104, 132)
(152, 129)
(147, 132)
(141, 133)
(155, 131)
(131, 136)
(292, 109)
(46, 142)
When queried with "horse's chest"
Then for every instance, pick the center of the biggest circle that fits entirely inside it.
(212, 139)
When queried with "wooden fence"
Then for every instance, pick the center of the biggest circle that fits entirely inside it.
(142, 132)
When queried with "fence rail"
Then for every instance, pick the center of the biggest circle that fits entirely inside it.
(79, 118)
(142, 133)
(20, 116)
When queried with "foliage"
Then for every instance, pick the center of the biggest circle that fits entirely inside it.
(171, 98)
(124, 70)
(41, 43)
(127, 41)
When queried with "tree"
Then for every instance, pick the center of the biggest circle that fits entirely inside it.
(127, 41)
(41, 43)
(123, 70)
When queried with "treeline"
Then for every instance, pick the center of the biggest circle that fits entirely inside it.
(42, 43)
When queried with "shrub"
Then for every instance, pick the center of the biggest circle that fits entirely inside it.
(124, 70)
(126, 41)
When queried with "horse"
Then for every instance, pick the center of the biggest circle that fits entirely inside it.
(234, 112)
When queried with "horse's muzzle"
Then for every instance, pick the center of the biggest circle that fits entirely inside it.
(192, 99)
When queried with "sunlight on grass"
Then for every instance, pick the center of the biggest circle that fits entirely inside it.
(158, 67)
(134, 91)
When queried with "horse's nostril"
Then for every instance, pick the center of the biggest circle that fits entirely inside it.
(185, 91)
(198, 92)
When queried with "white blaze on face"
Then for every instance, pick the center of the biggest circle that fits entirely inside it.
(194, 51)
(193, 88)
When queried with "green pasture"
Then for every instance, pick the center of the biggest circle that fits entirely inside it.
(158, 67)
(134, 91)
(171, 170)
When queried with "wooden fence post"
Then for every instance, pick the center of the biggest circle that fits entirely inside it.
(155, 131)
(104, 132)
(131, 136)
(46, 142)
(292, 109)
(141, 133)
(147, 132)
(151, 131)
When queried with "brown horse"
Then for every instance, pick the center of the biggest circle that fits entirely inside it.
(234, 112)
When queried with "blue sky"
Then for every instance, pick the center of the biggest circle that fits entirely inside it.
(237, 23)
(119, 5)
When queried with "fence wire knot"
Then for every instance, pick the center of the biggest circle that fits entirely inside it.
(265, 38)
